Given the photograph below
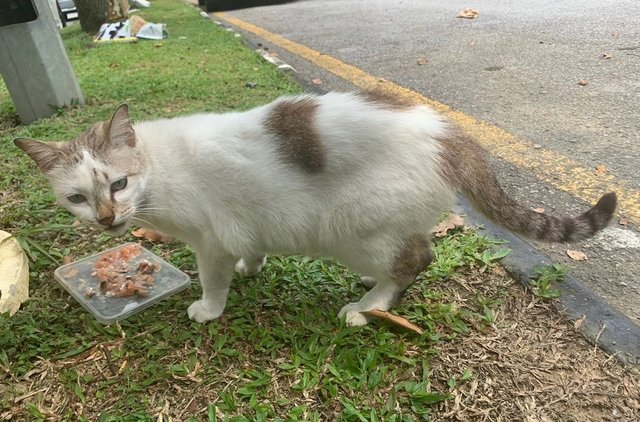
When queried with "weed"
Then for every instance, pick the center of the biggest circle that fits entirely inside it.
(546, 277)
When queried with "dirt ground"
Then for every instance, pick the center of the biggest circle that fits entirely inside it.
(534, 366)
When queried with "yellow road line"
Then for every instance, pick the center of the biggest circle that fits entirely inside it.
(551, 167)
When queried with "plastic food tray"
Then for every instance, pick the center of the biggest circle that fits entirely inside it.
(76, 278)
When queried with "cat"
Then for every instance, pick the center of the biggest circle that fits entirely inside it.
(359, 177)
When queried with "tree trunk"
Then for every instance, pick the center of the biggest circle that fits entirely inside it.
(92, 14)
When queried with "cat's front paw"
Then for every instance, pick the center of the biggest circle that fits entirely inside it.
(352, 315)
(202, 311)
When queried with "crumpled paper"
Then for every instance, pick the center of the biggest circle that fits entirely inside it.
(14, 275)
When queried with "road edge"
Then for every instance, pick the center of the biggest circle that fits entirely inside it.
(603, 325)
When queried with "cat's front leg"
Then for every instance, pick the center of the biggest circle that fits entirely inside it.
(215, 268)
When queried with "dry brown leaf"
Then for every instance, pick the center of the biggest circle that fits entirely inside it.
(576, 255)
(450, 223)
(67, 259)
(578, 322)
(468, 13)
(394, 319)
(422, 61)
(14, 274)
(582, 82)
(624, 220)
(151, 235)
(538, 210)
(317, 81)
(601, 169)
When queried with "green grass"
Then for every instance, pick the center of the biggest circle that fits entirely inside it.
(278, 352)
(546, 278)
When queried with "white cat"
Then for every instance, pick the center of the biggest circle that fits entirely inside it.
(357, 177)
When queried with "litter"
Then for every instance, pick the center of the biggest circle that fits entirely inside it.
(130, 31)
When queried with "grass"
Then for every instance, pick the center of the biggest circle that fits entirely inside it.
(546, 278)
(278, 352)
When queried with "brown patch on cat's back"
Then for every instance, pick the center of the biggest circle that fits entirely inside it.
(292, 122)
(386, 100)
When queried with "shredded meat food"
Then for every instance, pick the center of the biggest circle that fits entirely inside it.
(112, 270)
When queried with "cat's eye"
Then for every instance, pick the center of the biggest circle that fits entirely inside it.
(119, 184)
(77, 198)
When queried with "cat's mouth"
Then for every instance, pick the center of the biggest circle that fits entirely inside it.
(117, 229)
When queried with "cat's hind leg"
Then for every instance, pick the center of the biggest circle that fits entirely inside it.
(368, 281)
(250, 266)
(215, 269)
(410, 260)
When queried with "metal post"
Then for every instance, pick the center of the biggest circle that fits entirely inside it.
(35, 67)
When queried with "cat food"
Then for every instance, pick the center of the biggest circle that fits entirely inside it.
(113, 272)
(121, 281)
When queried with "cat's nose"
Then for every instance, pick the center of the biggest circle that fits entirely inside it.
(107, 220)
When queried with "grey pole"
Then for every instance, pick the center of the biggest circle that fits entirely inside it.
(35, 67)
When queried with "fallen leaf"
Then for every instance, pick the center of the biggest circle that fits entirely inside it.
(624, 220)
(538, 210)
(76, 223)
(576, 255)
(468, 13)
(317, 81)
(606, 56)
(582, 82)
(151, 235)
(14, 274)
(422, 61)
(578, 322)
(449, 223)
(158, 45)
(601, 169)
(394, 319)
(67, 259)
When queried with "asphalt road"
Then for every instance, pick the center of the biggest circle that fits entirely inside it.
(517, 67)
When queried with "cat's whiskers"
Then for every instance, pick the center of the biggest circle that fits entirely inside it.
(146, 222)
(151, 214)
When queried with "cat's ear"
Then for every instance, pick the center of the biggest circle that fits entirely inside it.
(44, 154)
(120, 128)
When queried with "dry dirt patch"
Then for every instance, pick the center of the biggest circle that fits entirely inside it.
(533, 366)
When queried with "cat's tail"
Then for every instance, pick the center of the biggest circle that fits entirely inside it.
(463, 165)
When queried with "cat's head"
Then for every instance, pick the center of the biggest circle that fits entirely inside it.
(99, 176)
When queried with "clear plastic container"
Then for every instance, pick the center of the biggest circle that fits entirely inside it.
(78, 280)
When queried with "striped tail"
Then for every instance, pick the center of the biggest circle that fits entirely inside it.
(464, 166)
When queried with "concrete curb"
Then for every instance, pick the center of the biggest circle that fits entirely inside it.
(603, 325)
